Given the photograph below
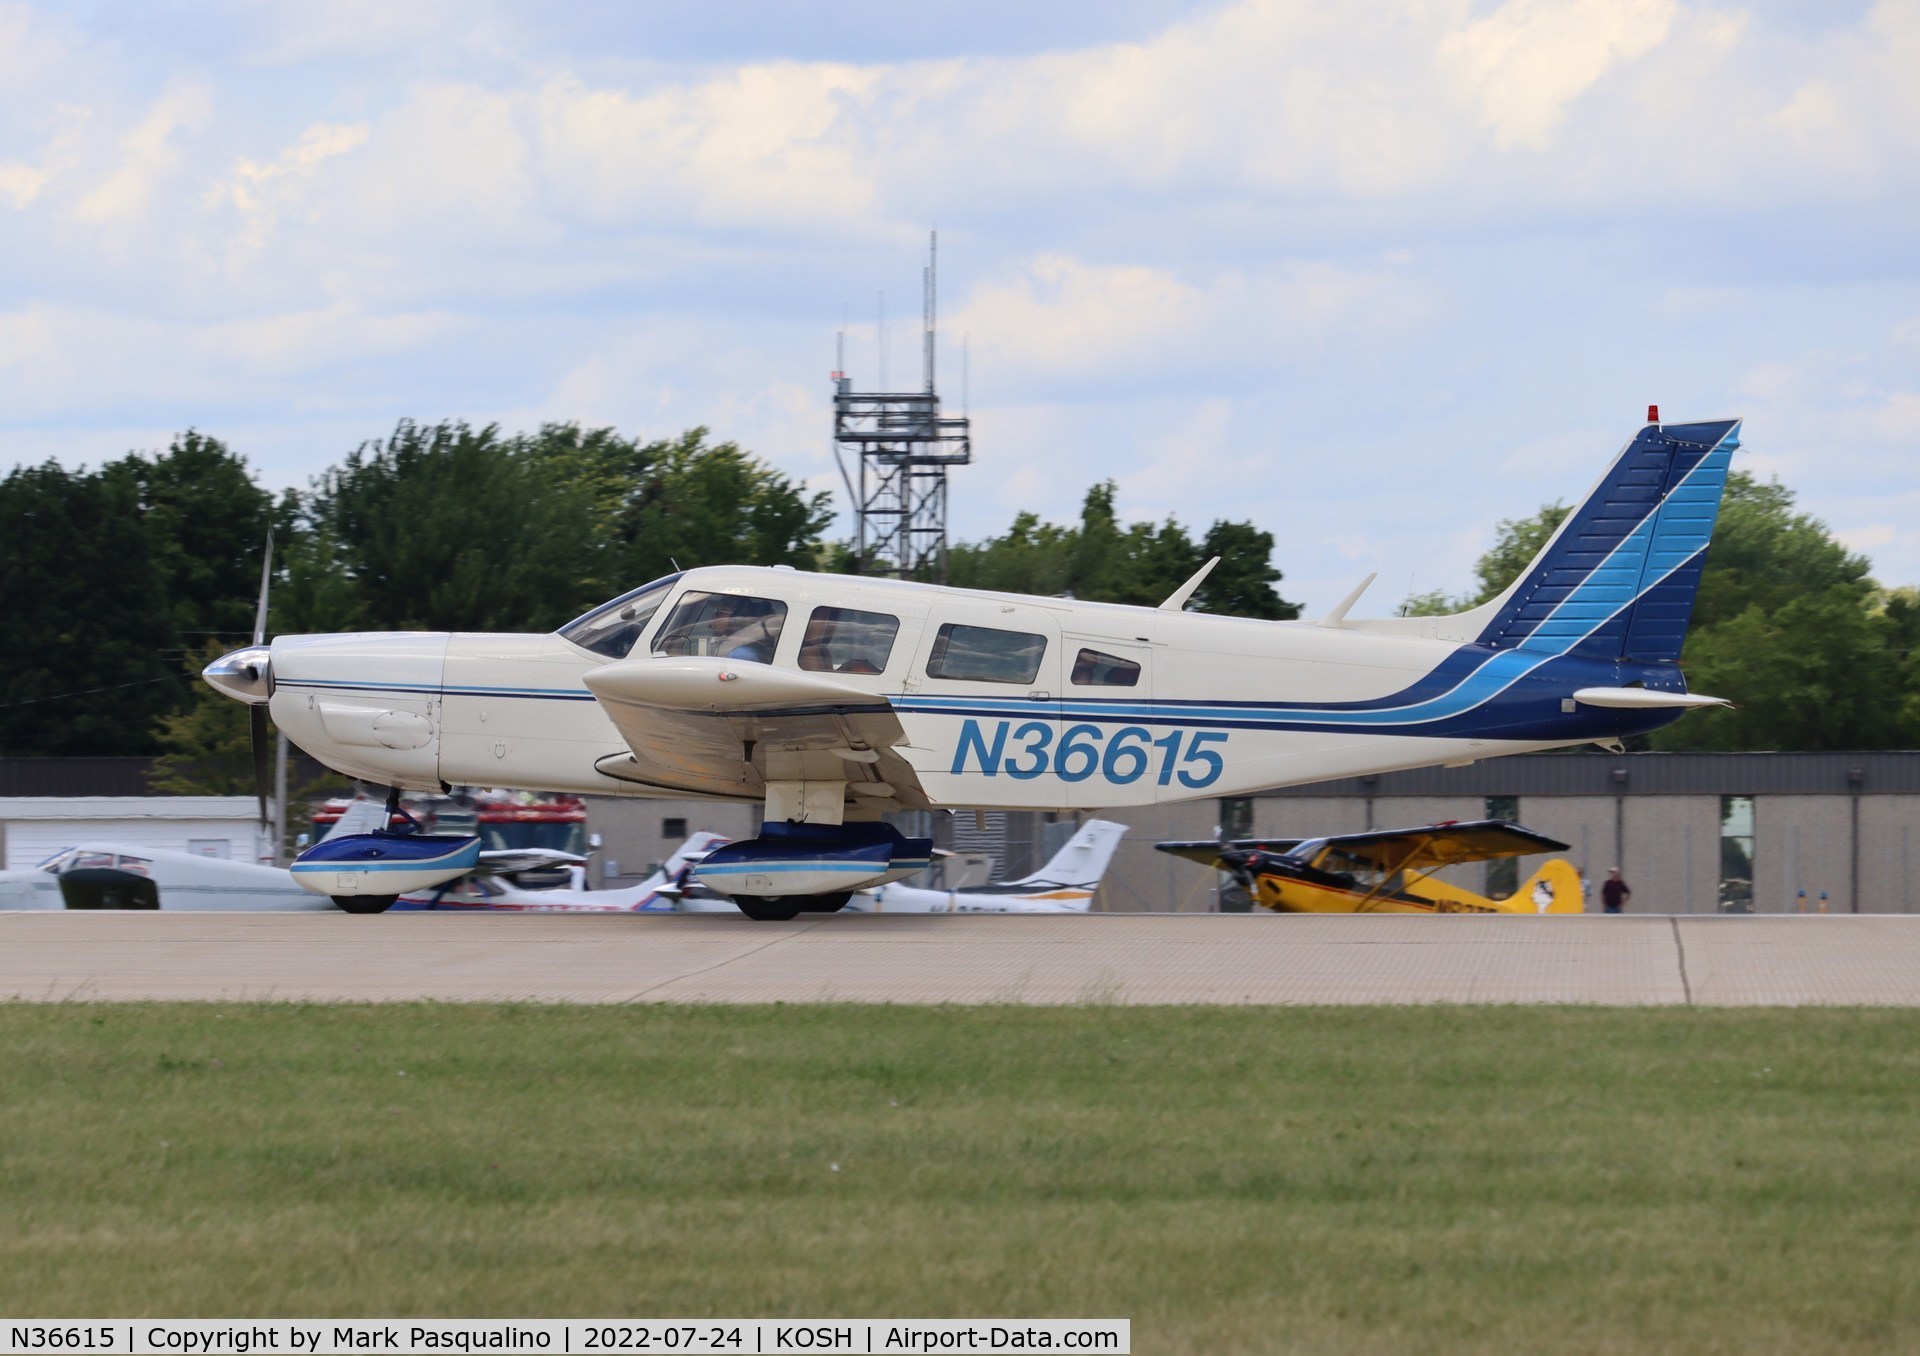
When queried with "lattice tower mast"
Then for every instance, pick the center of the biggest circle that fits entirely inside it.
(905, 447)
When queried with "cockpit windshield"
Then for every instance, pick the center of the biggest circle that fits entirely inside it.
(612, 628)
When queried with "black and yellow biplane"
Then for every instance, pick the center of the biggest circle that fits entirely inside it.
(1390, 870)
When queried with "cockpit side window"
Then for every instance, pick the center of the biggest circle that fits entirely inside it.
(984, 654)
(724, 624)
(612, 628)
(846, 640)
(60, 861)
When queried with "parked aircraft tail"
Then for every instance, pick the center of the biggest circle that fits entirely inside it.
(1554, 888)
(1083, 861)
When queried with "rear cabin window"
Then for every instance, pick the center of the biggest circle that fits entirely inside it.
(846, 640)
(724, 624)
(981, 654)
(1096, 668)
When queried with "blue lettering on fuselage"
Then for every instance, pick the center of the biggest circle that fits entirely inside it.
(1121, 756)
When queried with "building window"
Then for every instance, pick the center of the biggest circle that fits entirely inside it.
(1503, 873)
(1236, 817)
(675, 829)
(1736, 854)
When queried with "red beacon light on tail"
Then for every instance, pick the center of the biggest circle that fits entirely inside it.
(1653, 414)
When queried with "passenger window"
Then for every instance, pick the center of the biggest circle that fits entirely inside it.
(980, 654)
(1093, 668)
(723, 624)
(846, 640)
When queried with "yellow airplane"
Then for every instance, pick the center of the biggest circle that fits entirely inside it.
(1391, 870)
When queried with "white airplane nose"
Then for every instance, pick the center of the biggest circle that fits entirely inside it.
(245, 675)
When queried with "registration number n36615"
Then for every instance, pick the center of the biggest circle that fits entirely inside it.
(1120, 754)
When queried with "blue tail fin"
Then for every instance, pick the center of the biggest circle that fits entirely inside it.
(1617, 581)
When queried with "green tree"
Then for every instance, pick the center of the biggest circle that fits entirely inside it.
(1815, 674)
(1031, 557)
(1242, 584)
(692, 503)
(206, 746)
(1787, 625)
(445, 527)
(206, 524)
(1140, 563)
(91, 659)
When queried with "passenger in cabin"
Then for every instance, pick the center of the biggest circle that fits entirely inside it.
(846, 640)
(739, 632)
(724, 625)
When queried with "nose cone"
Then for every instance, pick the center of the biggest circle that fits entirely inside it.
(245, 675)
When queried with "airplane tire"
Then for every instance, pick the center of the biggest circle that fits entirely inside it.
(827, 903)
(771, 908)
(365, 903)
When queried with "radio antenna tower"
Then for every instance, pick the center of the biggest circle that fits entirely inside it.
(905, 446)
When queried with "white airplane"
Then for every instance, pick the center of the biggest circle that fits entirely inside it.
(95, 875)
(1066, 884)
(835, 699)
(496, 886)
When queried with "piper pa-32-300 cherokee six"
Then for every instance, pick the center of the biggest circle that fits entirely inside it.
(836, 699)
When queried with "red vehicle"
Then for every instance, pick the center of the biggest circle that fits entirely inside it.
(503, 819)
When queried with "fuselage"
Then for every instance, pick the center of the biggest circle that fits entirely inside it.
(184, 880)
(1005, 700)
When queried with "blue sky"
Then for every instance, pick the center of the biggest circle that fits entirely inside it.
(1374, 275)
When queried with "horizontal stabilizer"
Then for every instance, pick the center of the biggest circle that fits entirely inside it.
(1643, 698)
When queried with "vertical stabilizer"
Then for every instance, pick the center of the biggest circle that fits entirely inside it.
(1617, 581)
(1083, 861)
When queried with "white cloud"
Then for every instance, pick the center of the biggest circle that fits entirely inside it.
(261, 191)
(1524, 63)
(148, 157)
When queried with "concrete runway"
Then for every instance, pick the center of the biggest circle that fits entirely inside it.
(1098, 958)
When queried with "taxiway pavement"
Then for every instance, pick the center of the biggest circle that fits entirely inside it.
(1099, 958)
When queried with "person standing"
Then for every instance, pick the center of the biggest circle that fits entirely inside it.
(1615, 892)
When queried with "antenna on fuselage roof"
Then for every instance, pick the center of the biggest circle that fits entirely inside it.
(1178, 598)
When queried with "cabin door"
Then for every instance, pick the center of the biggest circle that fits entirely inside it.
(987, 682)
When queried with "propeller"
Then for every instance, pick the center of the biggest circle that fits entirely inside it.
(257, 723)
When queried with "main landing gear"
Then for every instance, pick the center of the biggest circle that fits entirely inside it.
(364, 903)
(784, 908)
(378, 903)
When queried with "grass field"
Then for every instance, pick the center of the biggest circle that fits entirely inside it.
(1233, 1180)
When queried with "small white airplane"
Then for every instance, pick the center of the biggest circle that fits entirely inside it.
(498, 886)
(1066, 884)
(834, 699)
(96, 875)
